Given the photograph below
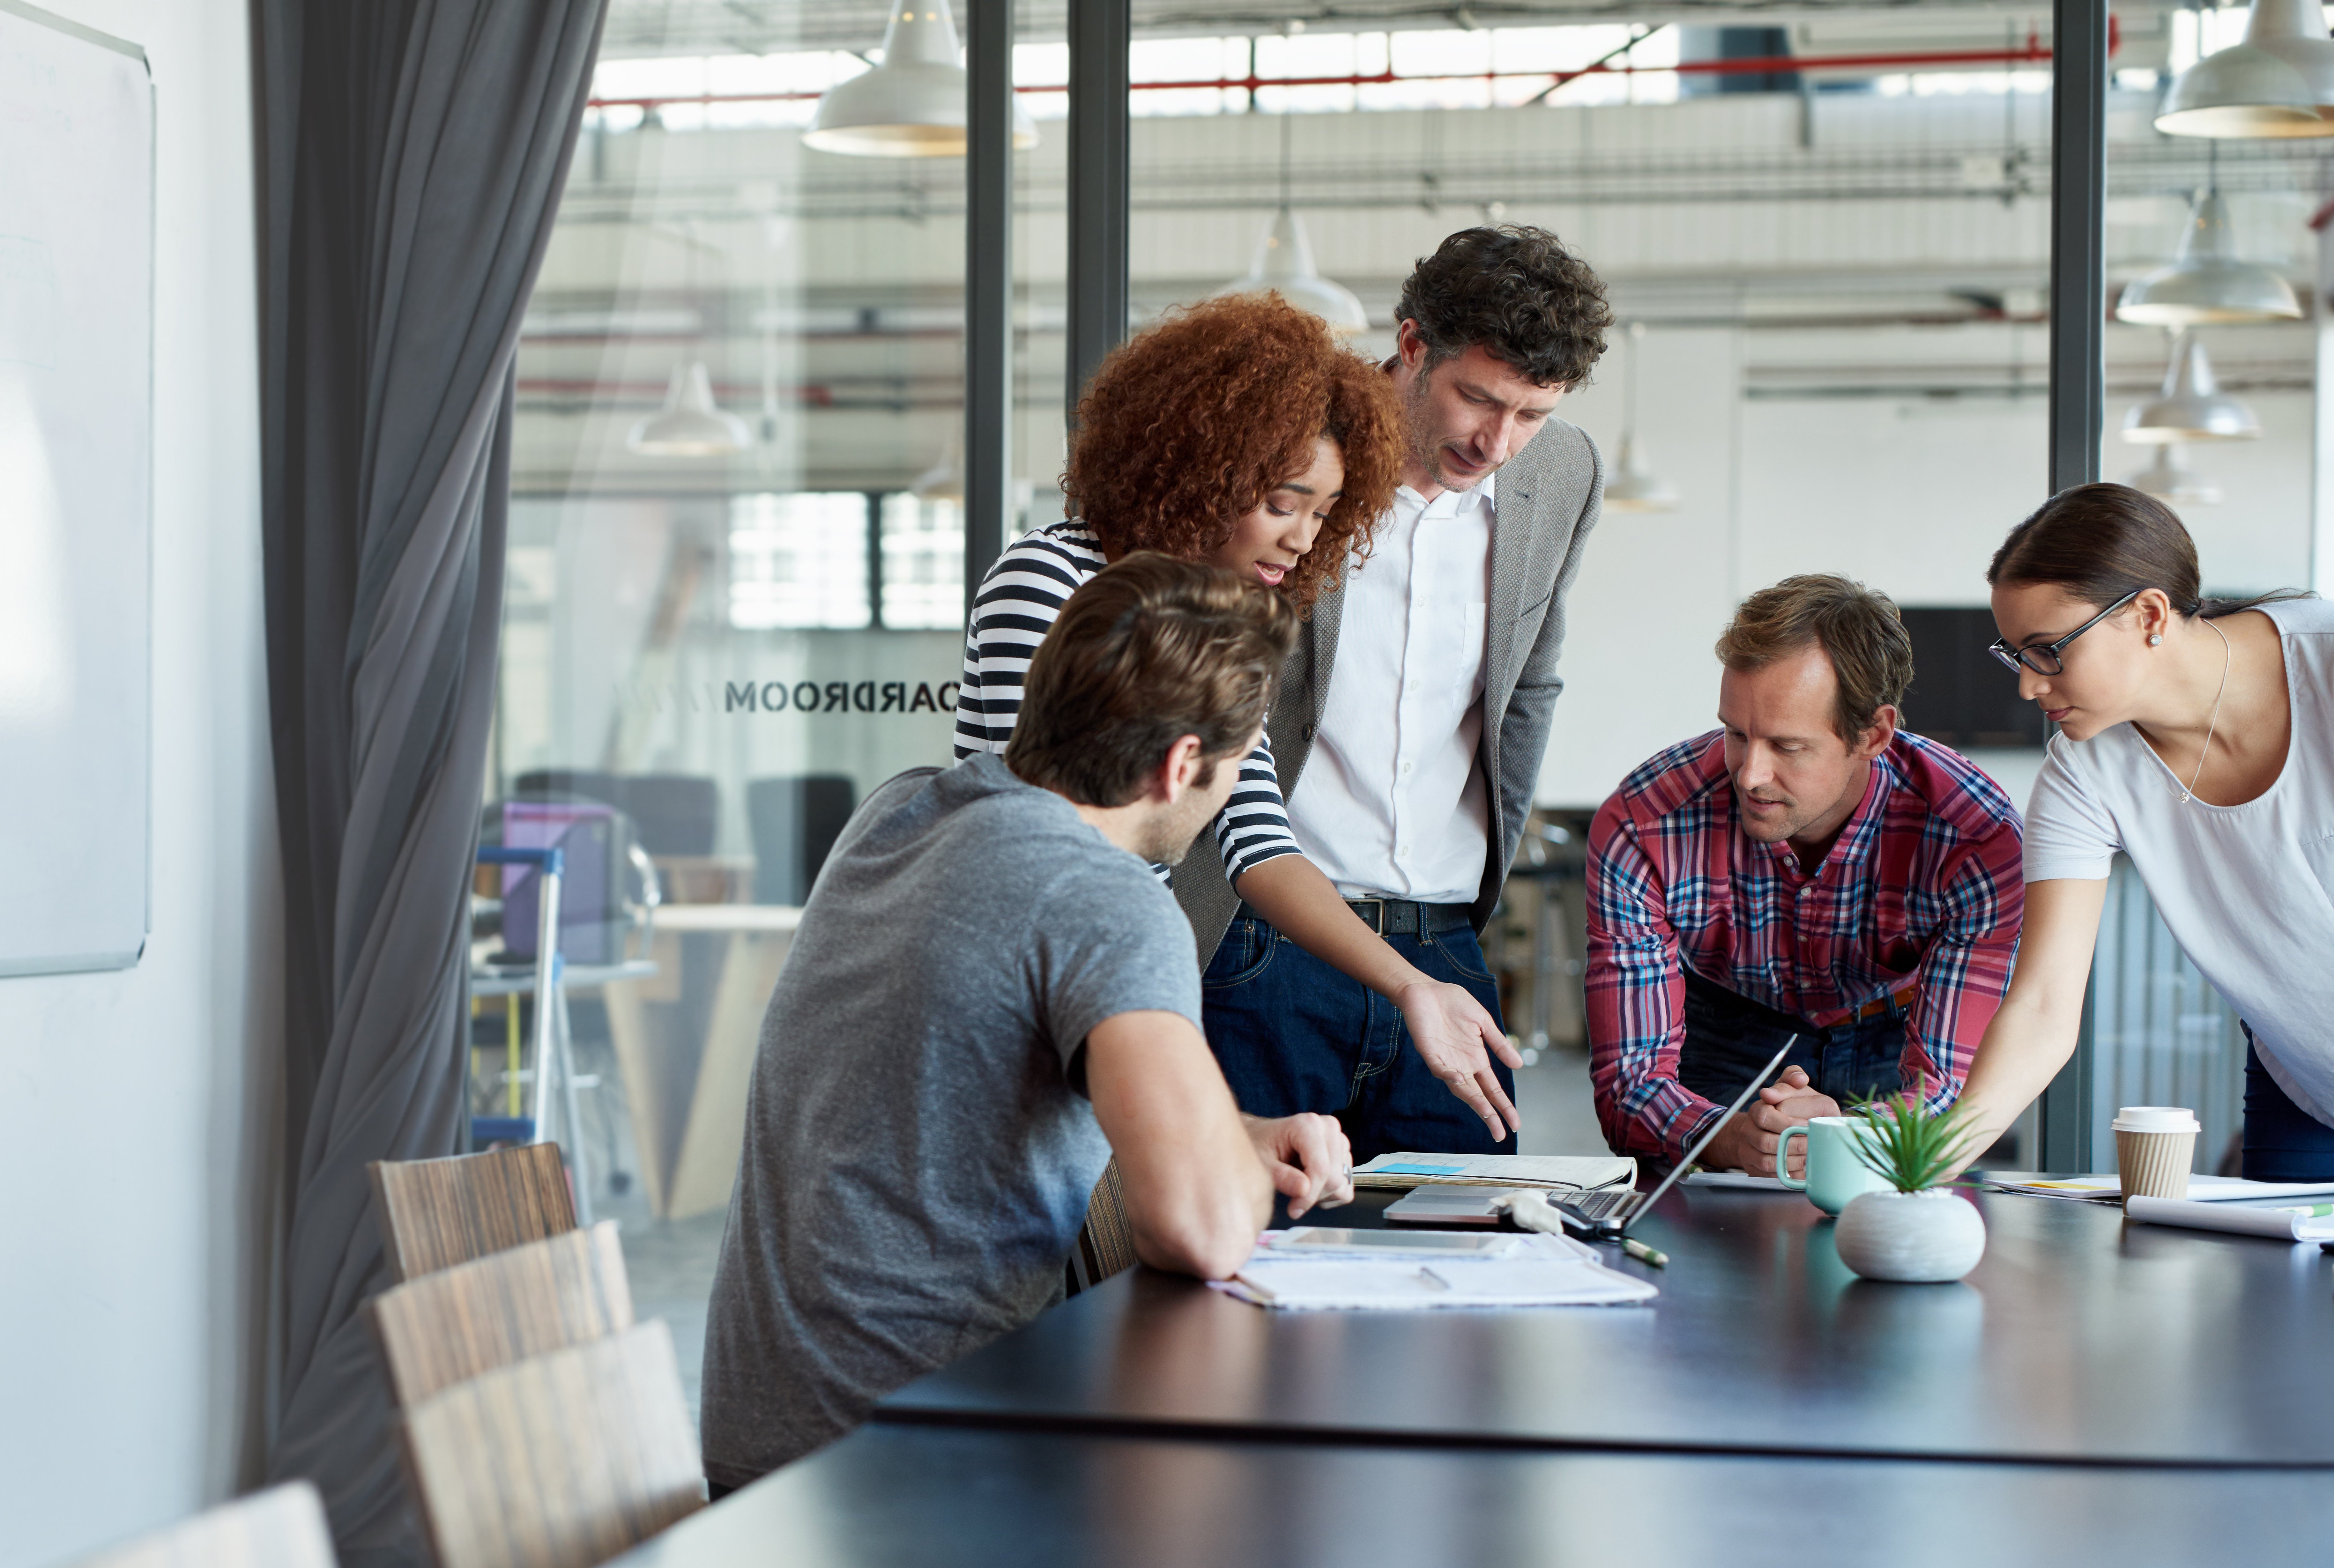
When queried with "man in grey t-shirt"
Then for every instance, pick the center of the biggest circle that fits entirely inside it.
(990, 994)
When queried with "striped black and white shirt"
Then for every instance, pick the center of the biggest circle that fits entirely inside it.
(1019, 600)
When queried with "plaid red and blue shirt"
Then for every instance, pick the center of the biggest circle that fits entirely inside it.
(1924, 885)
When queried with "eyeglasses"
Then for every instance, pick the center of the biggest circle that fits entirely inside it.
(2042, 657)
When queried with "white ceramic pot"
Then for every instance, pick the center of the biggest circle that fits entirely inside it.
(1922, 1236)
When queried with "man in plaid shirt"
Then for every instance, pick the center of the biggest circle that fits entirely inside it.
(1807, 868)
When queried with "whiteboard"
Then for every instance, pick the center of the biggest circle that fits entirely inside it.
(76, 415)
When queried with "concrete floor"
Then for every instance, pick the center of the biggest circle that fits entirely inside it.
(671, 1262)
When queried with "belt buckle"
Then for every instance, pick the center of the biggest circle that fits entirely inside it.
(1375, 918)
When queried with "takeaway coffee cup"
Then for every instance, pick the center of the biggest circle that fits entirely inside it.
(2155, 1145)
(1834, 1174)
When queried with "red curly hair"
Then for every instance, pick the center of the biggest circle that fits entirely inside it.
(1188, 425)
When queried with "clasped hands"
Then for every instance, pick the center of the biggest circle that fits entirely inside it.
(1749, 1140)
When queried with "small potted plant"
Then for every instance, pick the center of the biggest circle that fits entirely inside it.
(1920, 1230)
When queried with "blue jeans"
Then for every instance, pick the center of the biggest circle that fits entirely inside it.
(1294, 1033)
(1728, 1037)
(2283, 1142)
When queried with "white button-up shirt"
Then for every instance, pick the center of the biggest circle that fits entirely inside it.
(1392, 803)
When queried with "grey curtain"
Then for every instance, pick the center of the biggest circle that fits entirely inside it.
(413, 153)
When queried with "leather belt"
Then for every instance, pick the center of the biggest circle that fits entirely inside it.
(1879, 1005)
(1401, 918)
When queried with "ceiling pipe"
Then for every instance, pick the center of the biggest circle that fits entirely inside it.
(2034, 52)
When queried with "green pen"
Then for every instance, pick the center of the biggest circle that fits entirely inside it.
(1643, 1254)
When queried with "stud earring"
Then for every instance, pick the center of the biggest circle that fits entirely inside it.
(2154, 639)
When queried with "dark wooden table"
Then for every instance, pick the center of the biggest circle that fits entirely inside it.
(896, 1496)
(2078, 1340)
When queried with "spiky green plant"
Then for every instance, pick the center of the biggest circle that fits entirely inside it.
(1908, 1147)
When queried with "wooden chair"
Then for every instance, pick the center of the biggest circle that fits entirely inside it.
(437, 1213)
(282, 1528)
(1106, 1241)
(558, 1461)
(438, 1329)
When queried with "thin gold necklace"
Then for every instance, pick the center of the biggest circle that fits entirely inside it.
(2189, 793)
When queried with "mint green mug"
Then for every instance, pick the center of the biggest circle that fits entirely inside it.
(1834, 1174)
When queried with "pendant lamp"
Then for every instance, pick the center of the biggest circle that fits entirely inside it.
(2167, 478)
(944, 480)
(1284, 265)
(689, 425)
(2207, 283)
(2192, 407)
(2278, 83)
(1633, 486)
(913, 105)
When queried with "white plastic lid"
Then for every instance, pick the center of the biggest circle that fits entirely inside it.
(2156, 1119)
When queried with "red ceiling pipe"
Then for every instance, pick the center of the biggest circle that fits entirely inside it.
(2033, 53)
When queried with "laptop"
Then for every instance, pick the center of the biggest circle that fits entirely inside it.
(1608, 1212)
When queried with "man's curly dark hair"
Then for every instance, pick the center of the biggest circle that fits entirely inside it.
(1188, 425)
(1517, 291)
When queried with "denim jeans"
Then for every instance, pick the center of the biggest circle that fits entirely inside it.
(1294, 1033)
(1728, 1037)
(2283, 1142)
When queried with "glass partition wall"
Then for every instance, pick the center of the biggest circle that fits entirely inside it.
(739, 543)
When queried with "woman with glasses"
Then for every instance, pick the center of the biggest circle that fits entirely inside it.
(2194, 736)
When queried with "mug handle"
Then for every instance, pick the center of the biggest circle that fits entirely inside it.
(1783, 1158)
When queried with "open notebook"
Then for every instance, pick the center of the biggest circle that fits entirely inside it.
(1586, 1172)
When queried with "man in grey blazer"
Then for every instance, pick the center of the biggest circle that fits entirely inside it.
(1408, 779)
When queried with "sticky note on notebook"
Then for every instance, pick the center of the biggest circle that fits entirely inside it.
(1417, 1169)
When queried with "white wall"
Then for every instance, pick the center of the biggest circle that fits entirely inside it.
(134, 1107)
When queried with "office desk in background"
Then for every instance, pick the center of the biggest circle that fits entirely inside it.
(2079, 1338)
(685, 1045)
(907, 1497)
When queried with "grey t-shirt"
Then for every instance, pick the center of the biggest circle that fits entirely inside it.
(919, 1150)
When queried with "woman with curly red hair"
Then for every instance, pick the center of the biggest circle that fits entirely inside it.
(1240, 433)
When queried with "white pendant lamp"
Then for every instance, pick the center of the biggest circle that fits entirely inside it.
(689, 425)
(2278, 83)
(2169, 478)
(913, 105)
(944, 480)
(2192, 407)
(1633, 486)
(2207, 283)
(1284, 265)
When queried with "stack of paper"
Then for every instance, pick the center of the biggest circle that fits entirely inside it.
(2280, 1222)
(2108, 1188)
(1534, 1171)
(1537, 1271)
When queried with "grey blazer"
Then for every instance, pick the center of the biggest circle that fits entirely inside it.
(1548, 496)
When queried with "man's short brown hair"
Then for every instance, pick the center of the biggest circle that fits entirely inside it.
(1857, 627)
(1519, 293)
(1149, 651)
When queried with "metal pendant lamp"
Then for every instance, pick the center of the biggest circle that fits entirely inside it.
(2192, 407)
(2167, 478)
(944, 480)
(1635, 487)
(913, 105)
(2278, 83)
(690, 424)
(2208, 283)
(1284, 265)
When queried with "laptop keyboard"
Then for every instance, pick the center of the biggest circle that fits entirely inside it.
(1606, 1203)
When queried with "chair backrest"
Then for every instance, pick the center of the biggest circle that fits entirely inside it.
(282, 1528)
(1106, 1241)
(438, 1329)
(437, 1213)
(794, 821)
(558, 1461)
(674, 813)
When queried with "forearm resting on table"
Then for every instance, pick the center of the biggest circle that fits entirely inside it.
(2035, 1031)
(1197, 1193)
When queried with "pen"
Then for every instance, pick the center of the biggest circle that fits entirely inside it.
(1643, 1254)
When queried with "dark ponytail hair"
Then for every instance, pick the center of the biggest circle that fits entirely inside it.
(2101, 541)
